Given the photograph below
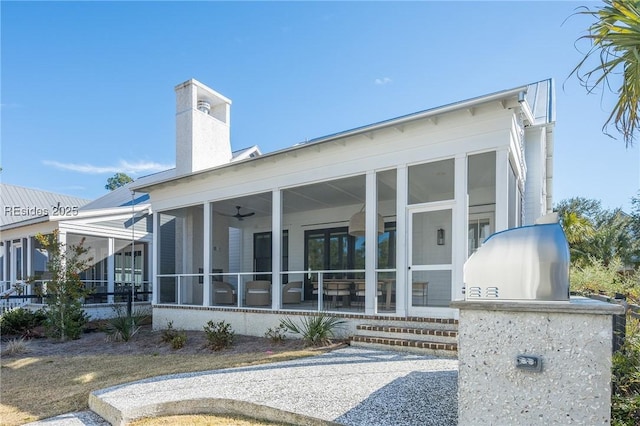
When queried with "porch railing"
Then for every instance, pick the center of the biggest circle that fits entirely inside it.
(311, 290)
(33, 293)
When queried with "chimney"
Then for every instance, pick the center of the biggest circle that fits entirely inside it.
(202, 128)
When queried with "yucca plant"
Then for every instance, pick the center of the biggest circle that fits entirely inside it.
(315, 330)
(123, 327)
(615, 45)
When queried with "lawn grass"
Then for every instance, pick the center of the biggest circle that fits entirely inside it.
(33, 388)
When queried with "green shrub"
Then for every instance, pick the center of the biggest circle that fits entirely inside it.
(65, 290)
(123, 327)
(276, 335)
(625, 401)
(219, 335)
(176, 338)
(315, 330)
(21, 321)
(598, 278)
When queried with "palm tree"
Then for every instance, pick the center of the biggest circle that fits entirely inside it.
(615, 42)
(578, 230)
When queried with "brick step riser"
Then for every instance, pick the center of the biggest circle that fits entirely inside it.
(414, 324)
(412, 349)
(408, 330)
(407, 336)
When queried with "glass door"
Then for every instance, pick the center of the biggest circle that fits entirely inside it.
(430, 259)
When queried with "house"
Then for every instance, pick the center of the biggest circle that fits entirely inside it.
(371, 224)
(114, 228)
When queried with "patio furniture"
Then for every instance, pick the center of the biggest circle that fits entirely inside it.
(360, 290)
(420, 290)
(292, 292)
(388, 285)
(223, 293)
(258, 293)
(337, 288)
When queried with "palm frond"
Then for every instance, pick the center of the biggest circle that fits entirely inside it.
(615, 42)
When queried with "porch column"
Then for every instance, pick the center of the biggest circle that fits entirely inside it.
(28, 247)
(156, 261)
(147, 272)
(7, 264)
(502, 189)
(276, 249)
(401, 241)
(371, 246)
(5, 256)
(111, 272)
(206, 254)
(459, 231)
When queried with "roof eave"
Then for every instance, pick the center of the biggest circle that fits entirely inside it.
(26, 222)
(356, 131)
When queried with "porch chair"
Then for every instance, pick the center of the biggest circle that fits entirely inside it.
(420, 293)
(360, 290)
(223, 293)
(258, 293)
(292, 292)
(338, 288)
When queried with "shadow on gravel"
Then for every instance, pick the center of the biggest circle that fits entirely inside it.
(419, 398)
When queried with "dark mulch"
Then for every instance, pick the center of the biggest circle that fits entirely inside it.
(147, 341)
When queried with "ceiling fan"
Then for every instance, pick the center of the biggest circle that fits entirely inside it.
(239, 215)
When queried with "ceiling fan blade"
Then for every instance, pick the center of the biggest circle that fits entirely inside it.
(241, 216)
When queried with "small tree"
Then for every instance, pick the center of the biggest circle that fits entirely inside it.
(64, 289)
(117, 180)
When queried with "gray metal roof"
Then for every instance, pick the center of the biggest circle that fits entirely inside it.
(542, 102)
(21, 204)
(121, 197)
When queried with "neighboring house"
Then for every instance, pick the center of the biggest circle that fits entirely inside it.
(374, 222)
(114, 228)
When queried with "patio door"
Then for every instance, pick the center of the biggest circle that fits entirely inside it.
(430, 258)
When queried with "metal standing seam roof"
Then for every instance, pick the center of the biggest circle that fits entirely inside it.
(542, 102)
(20, 204)
(121, 197)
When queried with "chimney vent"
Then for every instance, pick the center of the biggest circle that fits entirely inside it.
(204, 106)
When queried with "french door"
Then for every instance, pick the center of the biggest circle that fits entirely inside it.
(430, 257)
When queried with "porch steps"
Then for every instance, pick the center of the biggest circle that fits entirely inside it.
(421, 338)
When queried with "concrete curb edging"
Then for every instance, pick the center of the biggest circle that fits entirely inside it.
(219, 406)
(351, 386)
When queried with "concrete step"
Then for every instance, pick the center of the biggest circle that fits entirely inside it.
(406, 345)
(409, 333)
(425, 336)
(417, 322)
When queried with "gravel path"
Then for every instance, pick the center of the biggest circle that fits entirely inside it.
(351, 386)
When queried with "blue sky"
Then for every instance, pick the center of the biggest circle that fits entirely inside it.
(87, 88)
